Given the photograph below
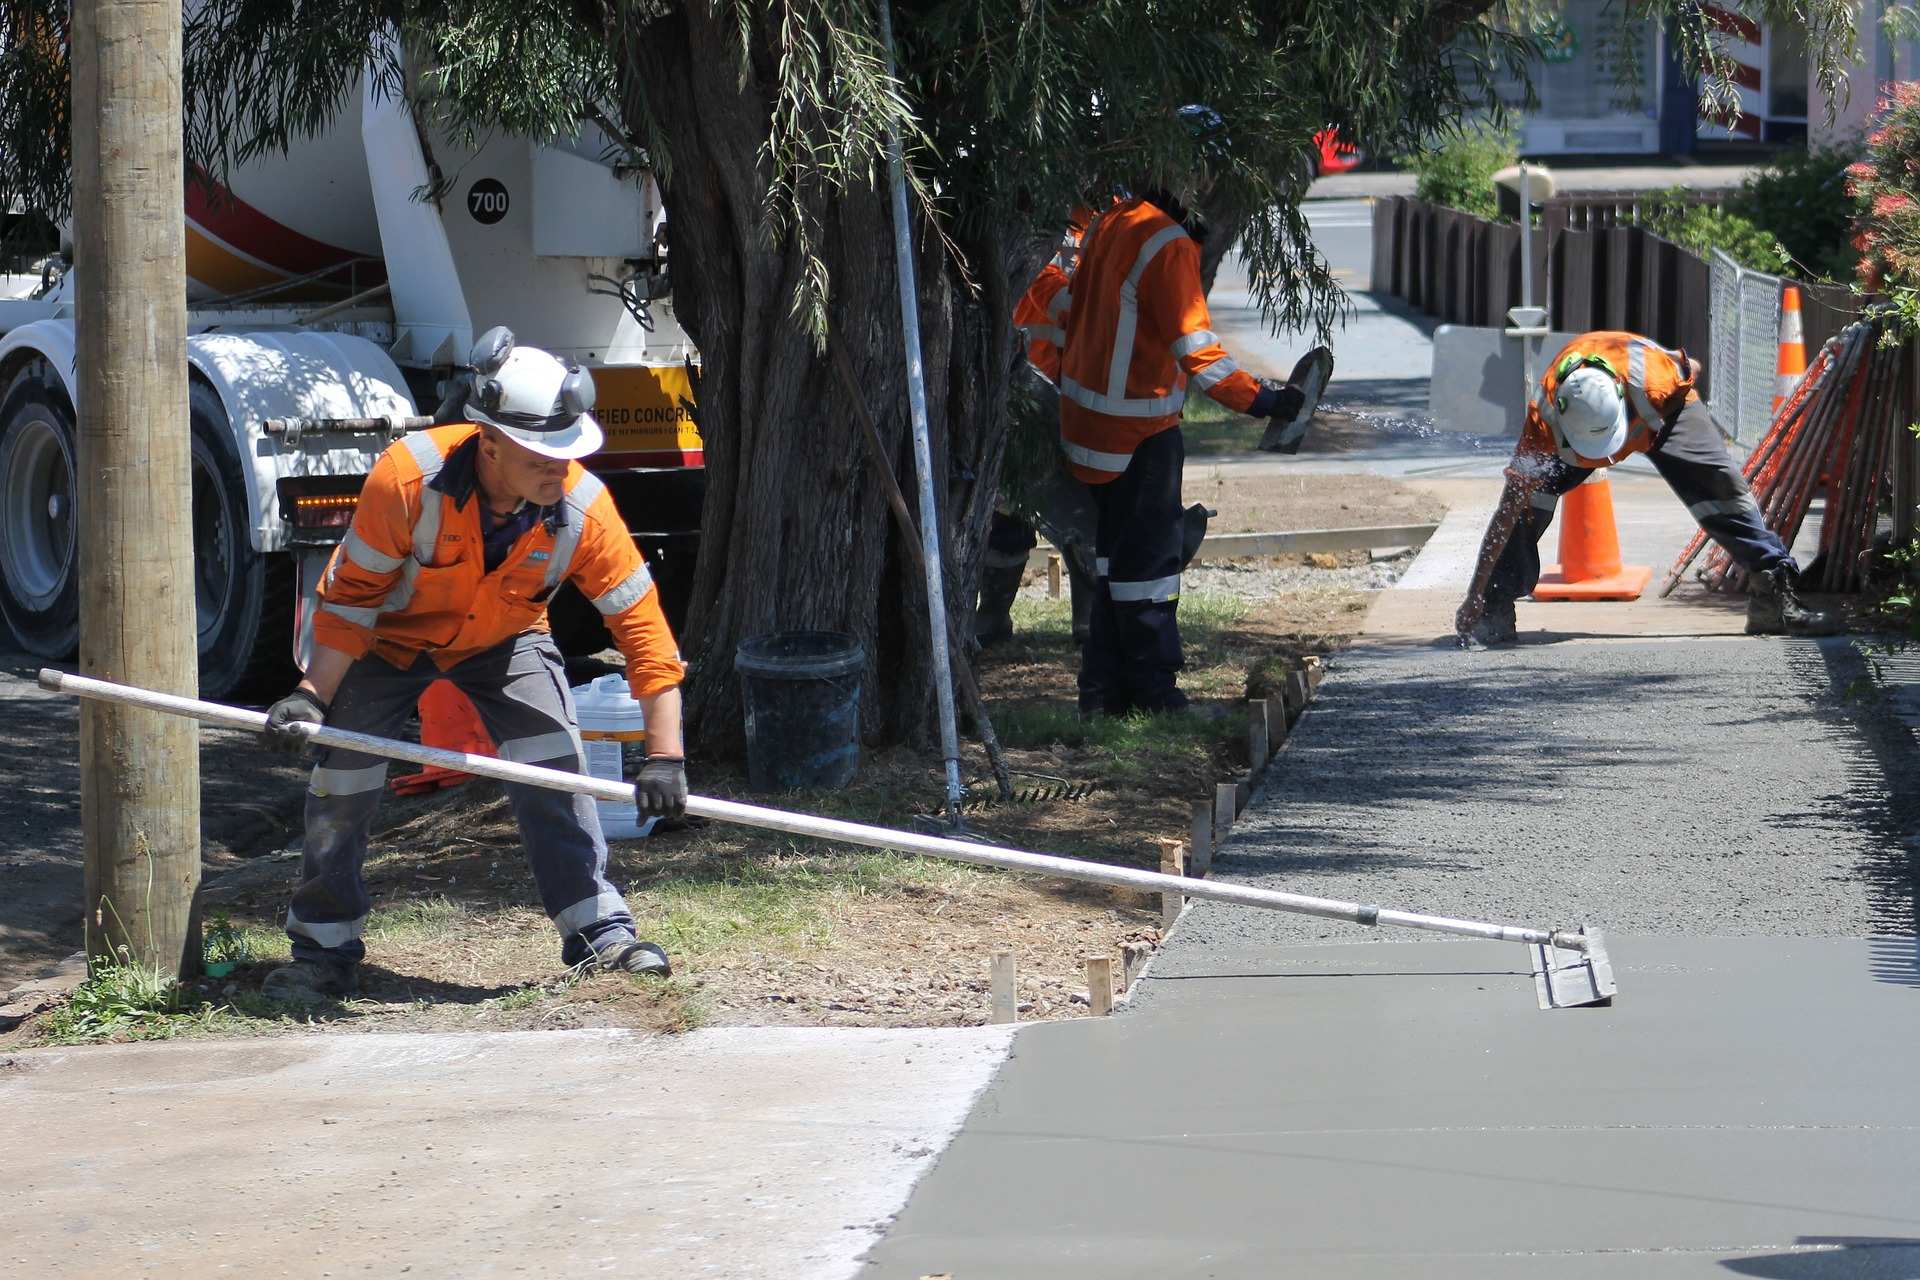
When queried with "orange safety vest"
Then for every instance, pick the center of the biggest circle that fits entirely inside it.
(1136, 329)
(410, 577)
(1659, 383)
(1042, 311)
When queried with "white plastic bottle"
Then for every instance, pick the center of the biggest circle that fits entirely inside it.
(610, 720)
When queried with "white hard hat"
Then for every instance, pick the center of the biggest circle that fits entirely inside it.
(533, 398)
(1591, 411)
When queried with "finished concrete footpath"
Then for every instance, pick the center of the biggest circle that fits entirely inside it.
(1290, 1097)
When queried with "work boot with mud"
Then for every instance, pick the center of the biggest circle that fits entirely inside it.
(311, 982)
(632, 956)
(993, 615)
(1775, 608)
(1498, 626)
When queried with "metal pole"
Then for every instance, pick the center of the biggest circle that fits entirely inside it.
(922, 449)
(802, 824)
(1526, 277)
(139, 772)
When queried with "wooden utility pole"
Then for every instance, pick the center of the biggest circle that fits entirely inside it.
(139, 770)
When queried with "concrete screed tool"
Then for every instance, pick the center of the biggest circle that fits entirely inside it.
(1570, 966)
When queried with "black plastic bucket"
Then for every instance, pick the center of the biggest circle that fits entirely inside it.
(802, 696)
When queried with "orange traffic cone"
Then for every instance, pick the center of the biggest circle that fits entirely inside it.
(1590, 567)
(1792, 364)
(447, 721)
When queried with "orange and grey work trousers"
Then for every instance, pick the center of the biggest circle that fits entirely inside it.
(1692, 458)
(519, 688)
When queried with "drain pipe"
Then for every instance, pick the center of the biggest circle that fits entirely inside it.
(922, 449)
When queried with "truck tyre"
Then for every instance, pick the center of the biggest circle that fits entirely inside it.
(39, 535)
(243, 599)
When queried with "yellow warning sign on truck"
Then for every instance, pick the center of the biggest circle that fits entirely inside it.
(647, 413)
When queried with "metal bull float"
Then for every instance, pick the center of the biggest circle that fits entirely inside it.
(1570, 966)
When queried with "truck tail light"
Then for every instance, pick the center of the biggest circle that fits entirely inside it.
(321, 507)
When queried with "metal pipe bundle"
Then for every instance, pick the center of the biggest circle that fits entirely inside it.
(1835, 435)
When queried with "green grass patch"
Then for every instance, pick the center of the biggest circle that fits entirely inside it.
(419, 921)
(1228, 433)
(1204, 618)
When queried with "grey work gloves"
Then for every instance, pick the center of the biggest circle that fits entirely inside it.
(661, 789)
(298, 707)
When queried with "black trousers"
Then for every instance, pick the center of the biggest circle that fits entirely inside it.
(1132, 654)
(1692, 458)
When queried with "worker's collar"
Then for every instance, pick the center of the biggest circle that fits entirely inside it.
(459, 479)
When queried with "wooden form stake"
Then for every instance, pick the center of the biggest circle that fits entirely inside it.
(1006, 1000)
(1171, 864)
(1276, 724)
(1200, 841)
(139, 769)
(1100, 985)
(1053, 577)
(1257, 736)
(1223, 812)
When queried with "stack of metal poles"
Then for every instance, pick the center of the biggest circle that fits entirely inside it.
(1834, 436)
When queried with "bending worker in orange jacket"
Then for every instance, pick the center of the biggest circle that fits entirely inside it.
(1605, 397)
(460, 538)
(1122, 332)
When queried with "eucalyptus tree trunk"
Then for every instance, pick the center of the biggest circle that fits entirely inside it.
(795, 534)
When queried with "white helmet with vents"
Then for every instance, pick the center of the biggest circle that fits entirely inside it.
(531, 397)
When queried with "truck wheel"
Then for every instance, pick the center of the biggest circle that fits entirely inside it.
(243, 599)
(39, 585)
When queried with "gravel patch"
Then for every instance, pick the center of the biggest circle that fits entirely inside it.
(1271, 578)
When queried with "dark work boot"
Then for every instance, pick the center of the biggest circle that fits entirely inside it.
(1774, 606)
(1498, 626)
(311, 982)
(993, 615)
(1081, 588)
(632, 956)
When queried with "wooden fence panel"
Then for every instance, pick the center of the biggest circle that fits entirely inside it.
(1624, 307)
(1386, 214)
(1693, 305)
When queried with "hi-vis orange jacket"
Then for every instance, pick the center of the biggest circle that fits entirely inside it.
(1659, 383)
(1042, 312)
(411, 578)
(1136, 329)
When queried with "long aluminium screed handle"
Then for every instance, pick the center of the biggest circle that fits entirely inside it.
(802, 824)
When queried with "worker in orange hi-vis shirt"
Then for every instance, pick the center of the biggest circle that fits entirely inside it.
(1123, 332)
(461, 536)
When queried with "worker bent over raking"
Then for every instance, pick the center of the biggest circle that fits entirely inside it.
(1605, 397)
(1122, 334)
(461, 537)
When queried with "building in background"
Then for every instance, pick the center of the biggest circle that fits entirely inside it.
(1884, 60)
(1612, 87)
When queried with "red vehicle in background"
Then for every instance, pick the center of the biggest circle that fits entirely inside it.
(1334, 154)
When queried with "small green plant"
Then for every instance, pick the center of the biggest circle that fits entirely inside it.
(118, 997)
(1702, 228)
(1459, 172)
(223, 946)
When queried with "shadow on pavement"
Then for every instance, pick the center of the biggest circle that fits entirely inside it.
(249, 802)
(1837, 1258)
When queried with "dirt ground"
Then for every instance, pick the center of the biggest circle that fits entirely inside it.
(1273, 503)
(774, 930)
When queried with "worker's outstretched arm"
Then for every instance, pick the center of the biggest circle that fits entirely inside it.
(1514, 502)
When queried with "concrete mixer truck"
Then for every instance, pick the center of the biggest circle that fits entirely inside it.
(333, 296)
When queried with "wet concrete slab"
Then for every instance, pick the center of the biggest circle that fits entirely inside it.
(1404, 1109)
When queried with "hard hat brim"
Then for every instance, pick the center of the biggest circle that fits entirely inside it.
(576, 440)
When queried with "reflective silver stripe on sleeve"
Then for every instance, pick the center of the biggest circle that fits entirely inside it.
(1744, 504)
(1214, 372)
(1101, 566)
(426, 454)
(567, 541)
(1192, 342)
(347, 782)
(1114, 462)
(628, 593)
(1123, 407)
(561, 744)
(326, 935)
(358, 617)
(1059, 302)
(1128, 322)
(1041, 333)
(426, 536)
(1544, 501)
(1156, 591)
(366, 556)
(589, 911)
(1637, 385)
